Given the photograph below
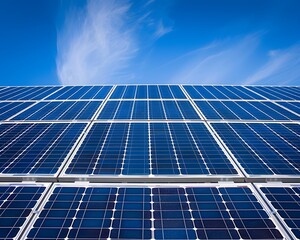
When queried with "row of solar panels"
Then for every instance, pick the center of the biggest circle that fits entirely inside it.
(149, 149)
(203, 211)
(149, 110)
(150, 92)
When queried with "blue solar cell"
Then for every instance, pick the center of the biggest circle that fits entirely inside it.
(144, 110)
(136, 160)
(293, 106)
(149, 148)
(262, 148)
(286, 202)
(9, 109)
(277, 93)
(148, 92)
(59, 110)
(244, 110)
(17, 203)
(81, 92)
(141, 92)
(36, 148)
(153, 213)
(27, 93)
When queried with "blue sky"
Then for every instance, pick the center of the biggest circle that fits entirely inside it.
(153, 41)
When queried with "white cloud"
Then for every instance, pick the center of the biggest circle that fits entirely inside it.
(162, 30)
(97, 45)
(219, 62)
(283, 67)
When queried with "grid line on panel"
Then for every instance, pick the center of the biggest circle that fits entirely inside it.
(17, 203)
(258, 149)
(283, 200)
(36, 148)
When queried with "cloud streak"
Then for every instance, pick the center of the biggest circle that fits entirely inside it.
(97, 45)
(219, 62)
(283, 68)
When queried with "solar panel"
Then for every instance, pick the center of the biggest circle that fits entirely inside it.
(9, 109)
(81, 92)
(277, 93)
(144, 110)
(150, 149)
(149, 162)
(263, 149)
(36, 148)
(148, 92)
(150, 212)
(59, 110)
(17, 203)
(244, 110)
(293, 106)
(220, 92)
(27, 93)
(285, 200)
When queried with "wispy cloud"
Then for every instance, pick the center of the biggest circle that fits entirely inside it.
(97, 44)
(219, 62)
(283, 67)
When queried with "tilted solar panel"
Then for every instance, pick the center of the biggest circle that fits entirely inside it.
(27, 93)
(81, 92)
(17, 203)
(144, 110)
(9, 109)
(263, 149)
(285, 199)
(293, 106)
(148, 92)
(151, 149)
(150, 212)
(36, 148)
(277, 93)
(244, 110)
(220, 92)
(59, 110)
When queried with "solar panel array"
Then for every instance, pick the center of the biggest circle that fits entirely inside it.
(150, 162)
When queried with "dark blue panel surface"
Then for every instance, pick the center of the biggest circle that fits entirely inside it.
(144, 110)
(150, 148)
(36, 148)
(153, 213)
(59, 110)
(9, 109)
(26, 93)
(293, 106)
(16, 202)
(286, 202)
(81, 92)
(244, 110)
(263, 148)
(277, 93)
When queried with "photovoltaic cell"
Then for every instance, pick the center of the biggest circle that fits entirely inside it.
(244, 110)
(144, 110)
(293, 106)
(60, 110)
(36, 148)
(277, 93)
(286, 201)
(81, 92)
(9, 109)
(16, 204)
(220, 92)
(153, 213)
(271, 149)
(27, 93)
(148, 92)
(149, 148)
